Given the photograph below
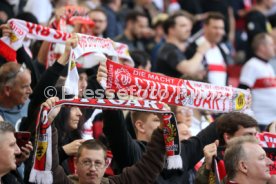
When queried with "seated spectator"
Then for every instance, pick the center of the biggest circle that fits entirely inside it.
(246, 161)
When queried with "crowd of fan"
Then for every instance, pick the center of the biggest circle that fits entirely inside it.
(222, 42)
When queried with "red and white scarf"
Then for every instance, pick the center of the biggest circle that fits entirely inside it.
(87, 44)
(41, 171)
(151, 86)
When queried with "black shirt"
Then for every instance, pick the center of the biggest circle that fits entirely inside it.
(256, 22)
(193, 7)
(169, 56)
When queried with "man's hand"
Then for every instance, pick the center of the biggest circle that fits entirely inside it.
(71, 149)
(71, 42)
(102, 73)
(6, 30)
(49, 103)
(25, 153)
(203, 46)
(209, 152)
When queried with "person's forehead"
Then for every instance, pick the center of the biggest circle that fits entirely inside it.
(253, 150)
(7, 138)
(142, 19)
(243, 130)
(182, 19)
(97, 15)
(216, 22)
(92, 154)
(23, 75)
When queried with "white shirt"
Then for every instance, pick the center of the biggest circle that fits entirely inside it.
(260, 77)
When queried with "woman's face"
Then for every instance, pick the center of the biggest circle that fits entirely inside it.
(74, 119)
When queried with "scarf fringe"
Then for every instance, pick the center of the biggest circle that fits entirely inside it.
(174, 162)
(41, 177)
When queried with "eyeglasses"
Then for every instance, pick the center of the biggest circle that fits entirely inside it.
(89, 163)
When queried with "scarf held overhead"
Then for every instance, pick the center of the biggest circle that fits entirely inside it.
(41, 171)
(151, 86)
(86, 45)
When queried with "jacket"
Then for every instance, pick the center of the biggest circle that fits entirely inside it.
(127, 151)
(145, 171)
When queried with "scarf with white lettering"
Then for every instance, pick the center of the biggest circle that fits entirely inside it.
(147, 85)
(87, 44)
(41, 171)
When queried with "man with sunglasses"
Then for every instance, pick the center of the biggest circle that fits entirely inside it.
(15, 89)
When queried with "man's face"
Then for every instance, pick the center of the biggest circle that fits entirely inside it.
(91, 166)
(182, 29)
(269, 48)
(214, 31)
(140, 26)
(268, 3)
(151, 123)
(20, 89)
(184, 115)
(8, 150)
(257, 163)
(99, 18)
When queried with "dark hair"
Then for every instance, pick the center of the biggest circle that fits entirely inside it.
(214, 16)
(259, 1)
(231, 122)
(61, 122)
(170, 22)
(27, 16)
(106, 1)
(92, 144)
(6, 127)
(133, 16)
(140, 58)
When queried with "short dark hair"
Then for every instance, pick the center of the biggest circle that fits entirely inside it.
(92, 144)
(6, 127)
(213, 16)
(133, 16)
(170, 22)
(231, 122)
(140, 58)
